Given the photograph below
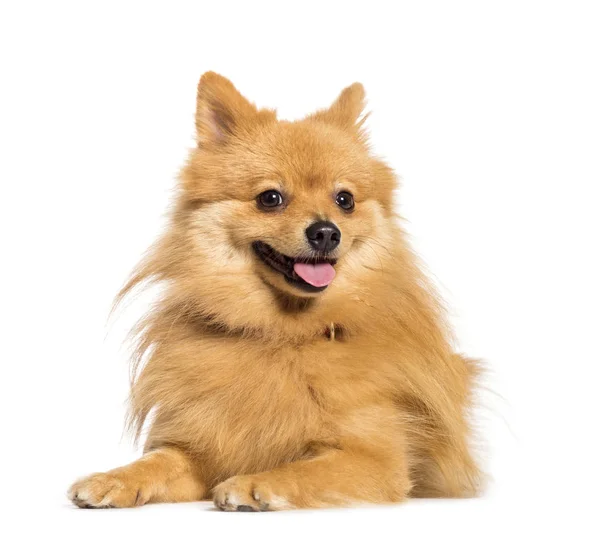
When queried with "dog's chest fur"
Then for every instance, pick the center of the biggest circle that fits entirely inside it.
(246, 407)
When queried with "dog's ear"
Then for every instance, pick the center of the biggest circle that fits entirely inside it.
(346, 109)
(221, 111)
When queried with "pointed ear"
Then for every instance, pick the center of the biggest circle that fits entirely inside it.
(346, 109)
(221, 110)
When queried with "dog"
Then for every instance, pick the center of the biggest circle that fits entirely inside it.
(298, 357)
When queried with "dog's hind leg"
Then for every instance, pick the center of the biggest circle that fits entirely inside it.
(443, 463)
(161, 475)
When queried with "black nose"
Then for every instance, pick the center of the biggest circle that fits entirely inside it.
(323, 236)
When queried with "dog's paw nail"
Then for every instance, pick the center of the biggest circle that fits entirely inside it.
(246, 508)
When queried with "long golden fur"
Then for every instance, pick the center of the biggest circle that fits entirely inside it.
(261, 395)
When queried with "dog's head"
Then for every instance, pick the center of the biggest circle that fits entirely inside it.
(277, 209)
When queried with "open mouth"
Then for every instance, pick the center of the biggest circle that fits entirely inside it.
(308, 274)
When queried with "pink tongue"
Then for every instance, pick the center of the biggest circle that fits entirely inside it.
(317, 275)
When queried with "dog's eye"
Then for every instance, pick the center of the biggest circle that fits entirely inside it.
(345, 200)
(270, 199)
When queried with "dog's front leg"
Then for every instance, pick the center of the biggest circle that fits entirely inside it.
(161, 475)
(370, 468)
(337, 477)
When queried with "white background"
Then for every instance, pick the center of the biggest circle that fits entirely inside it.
(489, 111)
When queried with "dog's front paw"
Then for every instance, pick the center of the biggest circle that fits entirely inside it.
(107, 490)
(248, 494)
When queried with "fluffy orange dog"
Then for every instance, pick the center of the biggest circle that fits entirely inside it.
(298, 357)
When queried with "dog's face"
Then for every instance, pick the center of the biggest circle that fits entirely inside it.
(299, 208)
